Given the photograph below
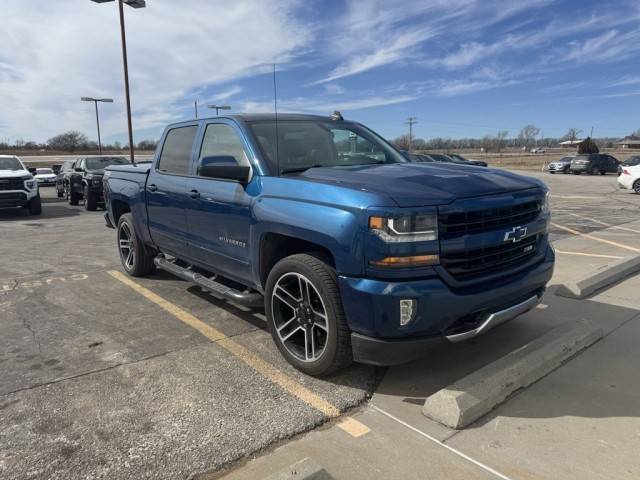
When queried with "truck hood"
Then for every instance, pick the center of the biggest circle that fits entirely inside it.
(421, 184)
(14, 174)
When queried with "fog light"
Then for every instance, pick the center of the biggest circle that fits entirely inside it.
(408, 309)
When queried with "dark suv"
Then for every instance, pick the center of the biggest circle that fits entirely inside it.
(84, 180)
(63, 174)
(593, 163)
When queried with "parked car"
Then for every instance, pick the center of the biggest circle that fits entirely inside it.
(538, 150)
(457, 156)
(45, 176)
(630, 178)
(63, 176)
(563, 165)
(629, 162)
(84, 181)
(363, 257)
(593, 163)
(18, 188)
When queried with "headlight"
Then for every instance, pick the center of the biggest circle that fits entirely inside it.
(545, 203)
(30, 184)
(415, 228)
(96, 180)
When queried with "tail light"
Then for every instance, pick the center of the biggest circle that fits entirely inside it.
(625, 171)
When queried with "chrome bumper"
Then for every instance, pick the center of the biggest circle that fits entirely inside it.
(497, 318)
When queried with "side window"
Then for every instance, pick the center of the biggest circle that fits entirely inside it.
(221, 140)
(176, 151)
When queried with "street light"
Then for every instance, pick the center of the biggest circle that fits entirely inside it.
(134, 4)
(95, 102)
(219, 107)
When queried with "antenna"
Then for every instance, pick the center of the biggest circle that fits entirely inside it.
(275, 109)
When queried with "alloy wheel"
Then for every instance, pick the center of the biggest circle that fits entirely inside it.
(126, 246)
(300, 317)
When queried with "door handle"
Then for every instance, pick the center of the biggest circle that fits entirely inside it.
(152, 187)
(194, 193)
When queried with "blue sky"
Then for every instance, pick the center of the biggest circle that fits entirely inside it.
(462, 67)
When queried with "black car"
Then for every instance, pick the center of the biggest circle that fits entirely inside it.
(84, 181)
(629, 162)
(563, 165)
(65, 169)
(593, 163)
(472, 161)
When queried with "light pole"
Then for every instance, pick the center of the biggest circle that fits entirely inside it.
(134, 4)
(95, 102)
(219, 107)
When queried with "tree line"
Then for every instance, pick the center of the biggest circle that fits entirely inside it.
(73, 141)
(528, 137)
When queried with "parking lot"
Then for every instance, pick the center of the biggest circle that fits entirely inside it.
(105, 376)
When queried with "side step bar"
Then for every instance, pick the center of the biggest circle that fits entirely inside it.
(247, 298)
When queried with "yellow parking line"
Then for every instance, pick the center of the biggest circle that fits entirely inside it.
(353, 427)
(252, 360)
(591, 237)
(583, 254)
(600, 222)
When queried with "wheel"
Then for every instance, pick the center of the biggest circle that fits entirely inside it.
(74, 197)
(636, 187)
(566, 170)
(60, 193)
(305, 315)
(603, 172)
(35, 206)
(134, 258)
(552, 172)
(90, 200)
(576, 173)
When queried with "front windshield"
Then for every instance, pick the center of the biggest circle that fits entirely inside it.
(10, 163)
(98, 163)
(304, 144)
(45, 171)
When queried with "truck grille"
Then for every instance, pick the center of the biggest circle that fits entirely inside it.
(467, 265)
(475, 221)
(11, 199)
(11, 184)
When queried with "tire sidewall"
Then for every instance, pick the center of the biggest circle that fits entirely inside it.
(333, 310)
(126, 218)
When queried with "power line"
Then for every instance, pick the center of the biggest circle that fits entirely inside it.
(411, 121)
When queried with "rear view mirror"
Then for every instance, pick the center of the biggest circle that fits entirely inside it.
(223, 166)
(77, 169)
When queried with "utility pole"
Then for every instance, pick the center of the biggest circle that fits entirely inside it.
(411, 121)
(591, 134)
(195, 105)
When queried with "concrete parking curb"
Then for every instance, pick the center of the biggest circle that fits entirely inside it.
(600, 278)
(475, 395)
(305, 469)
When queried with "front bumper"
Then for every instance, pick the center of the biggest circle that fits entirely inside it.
(372, 310)
(17, 198)
(558, 168)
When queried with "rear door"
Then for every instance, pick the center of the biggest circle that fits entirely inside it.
(166, 190)
(219, 214)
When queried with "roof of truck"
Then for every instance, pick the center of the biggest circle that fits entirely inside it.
(256, 117)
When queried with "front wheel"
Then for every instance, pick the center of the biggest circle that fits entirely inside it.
(35, 205)
(305, 315)
(74, 197)
(134, 258)
(90, 200)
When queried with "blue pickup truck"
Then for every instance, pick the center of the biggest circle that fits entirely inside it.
(354, 252)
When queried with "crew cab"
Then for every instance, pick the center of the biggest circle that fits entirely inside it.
(18, 188)
(84, 180)
(354, 252)
(594, 163)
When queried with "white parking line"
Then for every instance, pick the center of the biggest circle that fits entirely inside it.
(438, 442)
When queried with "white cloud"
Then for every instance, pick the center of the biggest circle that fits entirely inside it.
(453, 88)
(226, 94)
(54, 52)
(627, 80)
(333, 89)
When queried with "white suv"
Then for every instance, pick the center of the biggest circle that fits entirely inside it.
(630, 178)
(18, 188)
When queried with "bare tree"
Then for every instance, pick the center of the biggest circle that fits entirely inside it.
(402, 142)
(572, 134)
(501, 140)
(528, 134)
(68, 141)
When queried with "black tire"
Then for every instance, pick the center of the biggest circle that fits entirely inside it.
(90, 200)
(35, 206)
(140, 263)
(566, 170)
(603, 172)
(552, 173)
(60, 193)
(636, 187)
(337, 352)
(74, 197)
(576, 173)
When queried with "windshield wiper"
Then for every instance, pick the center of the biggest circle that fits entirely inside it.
(299, 169)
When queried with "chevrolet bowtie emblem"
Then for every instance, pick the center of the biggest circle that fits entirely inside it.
(515, 234)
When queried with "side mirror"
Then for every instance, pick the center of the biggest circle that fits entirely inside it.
(223, 166)
(77, 169)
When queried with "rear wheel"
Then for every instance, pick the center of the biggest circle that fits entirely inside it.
(134, 258)
(636, 187)
(576, 173)
(305, 315)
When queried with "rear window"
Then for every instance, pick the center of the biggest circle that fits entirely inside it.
(176, 151)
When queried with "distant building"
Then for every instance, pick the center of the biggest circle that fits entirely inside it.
(629, 142)
(571, 143)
